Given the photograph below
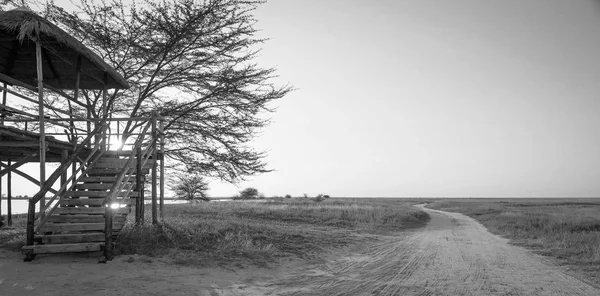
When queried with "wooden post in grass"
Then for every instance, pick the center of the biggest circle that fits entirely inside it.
(154, 170)
(108, 232)
(162, 168)
(139, 187)
(9, 197)
(30, 220)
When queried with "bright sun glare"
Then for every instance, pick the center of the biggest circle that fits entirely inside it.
(115, 143)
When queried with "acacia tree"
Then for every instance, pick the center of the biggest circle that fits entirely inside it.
(190, 187)
(193, 62)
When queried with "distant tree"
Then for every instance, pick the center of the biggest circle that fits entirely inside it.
(190, 187)
(249, 193)
(288, 196)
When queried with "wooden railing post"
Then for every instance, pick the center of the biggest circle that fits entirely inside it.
(108, 232)
(30, 221)
(29, 229)
(139, 187)
(154, 170)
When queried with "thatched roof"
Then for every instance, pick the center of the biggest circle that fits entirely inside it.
(18, 29)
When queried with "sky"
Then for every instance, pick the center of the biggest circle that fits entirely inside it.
(461, 98)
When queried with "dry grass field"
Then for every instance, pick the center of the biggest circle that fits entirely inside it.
(565, 229)
(259, 232)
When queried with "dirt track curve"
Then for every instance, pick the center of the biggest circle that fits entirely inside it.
(452, 255)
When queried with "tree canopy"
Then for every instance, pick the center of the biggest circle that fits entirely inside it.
(193, 62)
(190, 187)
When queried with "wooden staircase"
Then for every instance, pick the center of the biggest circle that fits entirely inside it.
(76, 222)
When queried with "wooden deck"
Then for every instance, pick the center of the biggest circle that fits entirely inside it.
(15, 144)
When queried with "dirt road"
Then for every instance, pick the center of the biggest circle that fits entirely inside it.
(453, 255)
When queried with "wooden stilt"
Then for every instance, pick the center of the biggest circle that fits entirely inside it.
(139, 187)
(108, 231)
(162, 169)
(9, 198)
(154, 171)
(40, 78)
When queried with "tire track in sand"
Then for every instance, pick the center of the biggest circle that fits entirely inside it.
(452, 255)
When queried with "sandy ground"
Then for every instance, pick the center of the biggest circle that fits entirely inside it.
(453, 255)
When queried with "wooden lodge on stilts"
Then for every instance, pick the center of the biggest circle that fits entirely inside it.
(82, 203)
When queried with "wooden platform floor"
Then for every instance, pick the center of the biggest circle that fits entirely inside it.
(17, 143)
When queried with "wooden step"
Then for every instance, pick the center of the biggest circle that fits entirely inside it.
(98, 194)
(103, 179)
(104, 186)
(72, 238)
(110, 172)
(89, 211)
(119, 164)
(125, 153)
(60, 227)
(121, 159)
(92, 201)
(97, 179)
(83, 219)
(63, 248)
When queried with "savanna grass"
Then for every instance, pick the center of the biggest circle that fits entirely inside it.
(13, 237)
(262, 231)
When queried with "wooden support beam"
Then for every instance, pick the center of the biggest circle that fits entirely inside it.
(7, 79)
(2, 115)
(162, 169)
(27, 177)
(9, 197)
(108, 233)
(45, 105)
(40, 88)
(139, 187)
(17, 164)
(154, 171)
(19, 144)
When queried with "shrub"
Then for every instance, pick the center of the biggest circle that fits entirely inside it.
(249, 193)
(288, 196)
(319, 198)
